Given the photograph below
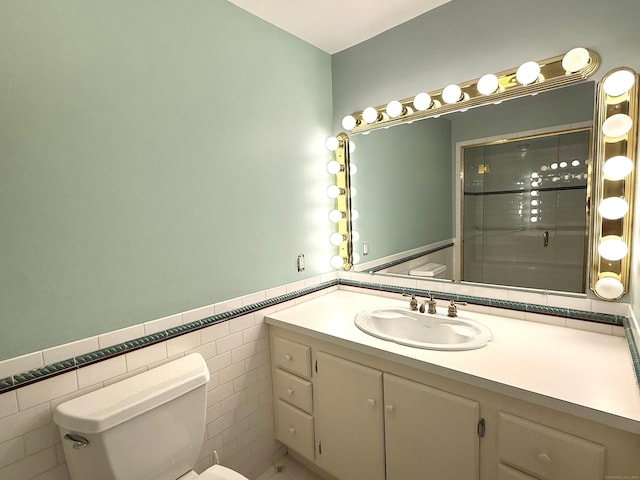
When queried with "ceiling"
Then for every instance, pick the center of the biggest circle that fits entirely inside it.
(333, 25)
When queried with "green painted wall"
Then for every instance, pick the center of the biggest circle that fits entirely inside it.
(155, 156)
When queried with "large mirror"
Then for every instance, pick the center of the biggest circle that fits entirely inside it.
(411, 180)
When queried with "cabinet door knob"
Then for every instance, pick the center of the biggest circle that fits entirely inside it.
(371, 402)
(287, 357)
(544, 458)
(289, 391)
(389, 408)
(292, 430)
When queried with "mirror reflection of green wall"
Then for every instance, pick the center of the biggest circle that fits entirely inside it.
(405, 182)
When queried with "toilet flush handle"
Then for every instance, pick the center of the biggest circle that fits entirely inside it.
(78, 441)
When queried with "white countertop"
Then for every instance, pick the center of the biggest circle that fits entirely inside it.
(578, 372)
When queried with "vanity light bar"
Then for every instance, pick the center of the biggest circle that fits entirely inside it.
(342, 213)
(528, 79)
(616, 133)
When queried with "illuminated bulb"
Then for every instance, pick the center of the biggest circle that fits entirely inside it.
(451, 93)
(575, 163)
(370, 115)
(332, 143)
(352, 147)
(534, 203)
(336, 239)
(353, 168)
(534, 211)
(534, 193)
(335, 216)
(356, 258)
(554, 166)
(354, 214)
(609, 286)
(617, 168)
(528, 73)
(488, 84)
(613, 208)
(534, 175)
(534, 219)
(334, 191)
(355, 236)
(353, 191)
(394, 109)
(337, 262)
(422, 101)
(575, 60)
(617, 125)
(563, 164)
(618, 83)
(349, 122)
(535, 184)
(333, 167)
(612, 248)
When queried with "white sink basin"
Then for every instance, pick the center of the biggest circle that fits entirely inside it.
(423, 330)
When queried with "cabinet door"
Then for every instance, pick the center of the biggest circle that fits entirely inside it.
(430, 434)
(349, 419)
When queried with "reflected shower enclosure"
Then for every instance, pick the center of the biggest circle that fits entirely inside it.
(525, 218)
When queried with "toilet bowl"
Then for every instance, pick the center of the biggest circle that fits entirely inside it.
(146, 427)
(430, 270)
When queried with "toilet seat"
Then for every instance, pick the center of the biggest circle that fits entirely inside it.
(218, 472)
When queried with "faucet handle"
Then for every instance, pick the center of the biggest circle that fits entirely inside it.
(413, 303)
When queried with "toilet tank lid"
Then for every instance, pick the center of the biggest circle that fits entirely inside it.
(103, 409)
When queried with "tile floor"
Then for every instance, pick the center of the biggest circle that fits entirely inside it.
(292, 471)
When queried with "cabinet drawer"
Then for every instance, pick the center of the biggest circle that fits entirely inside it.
(546, 452)
(292, 356)
(295, 390)
(295, 429)
(508, 473)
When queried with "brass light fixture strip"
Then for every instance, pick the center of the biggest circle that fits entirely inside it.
(343, 201)
(552, 75)
(606, 148)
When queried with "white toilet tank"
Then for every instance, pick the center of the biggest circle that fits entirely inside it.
(146, 427)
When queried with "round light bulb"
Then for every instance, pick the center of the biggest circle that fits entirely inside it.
(618, 83)
(333, 167)
(334, 191)
(335, 216)
(617, 168)
(394, 109)
(422, 101)
(451, 93)
(609, 286)
(613, 208)
(617, 125)
(575, 163)
(563, 164)
(336, 239)
(332, 143)
(356, 258)
(355, 236)
(352, 147)
(528, 73)
(349, 122)
(575, 60)
(612, 248)
(353, 191)
(337, 262)
(354, 214)
(488, 84)
(370, 115)
(353, 168)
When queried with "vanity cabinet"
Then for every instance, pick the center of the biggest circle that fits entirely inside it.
(352, 415)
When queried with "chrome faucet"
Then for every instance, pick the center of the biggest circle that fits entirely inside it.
(452, 311)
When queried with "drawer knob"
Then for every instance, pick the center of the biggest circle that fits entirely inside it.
(389, 408)
(544, 458)
(371, 402)
(289, 391)
(287, 357)
(292, 430)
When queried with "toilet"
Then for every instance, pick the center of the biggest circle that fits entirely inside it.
(430, 270)
(146, 427)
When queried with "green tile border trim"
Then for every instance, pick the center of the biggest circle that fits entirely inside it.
(606, 318)
(49, 371)
(633, 348)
